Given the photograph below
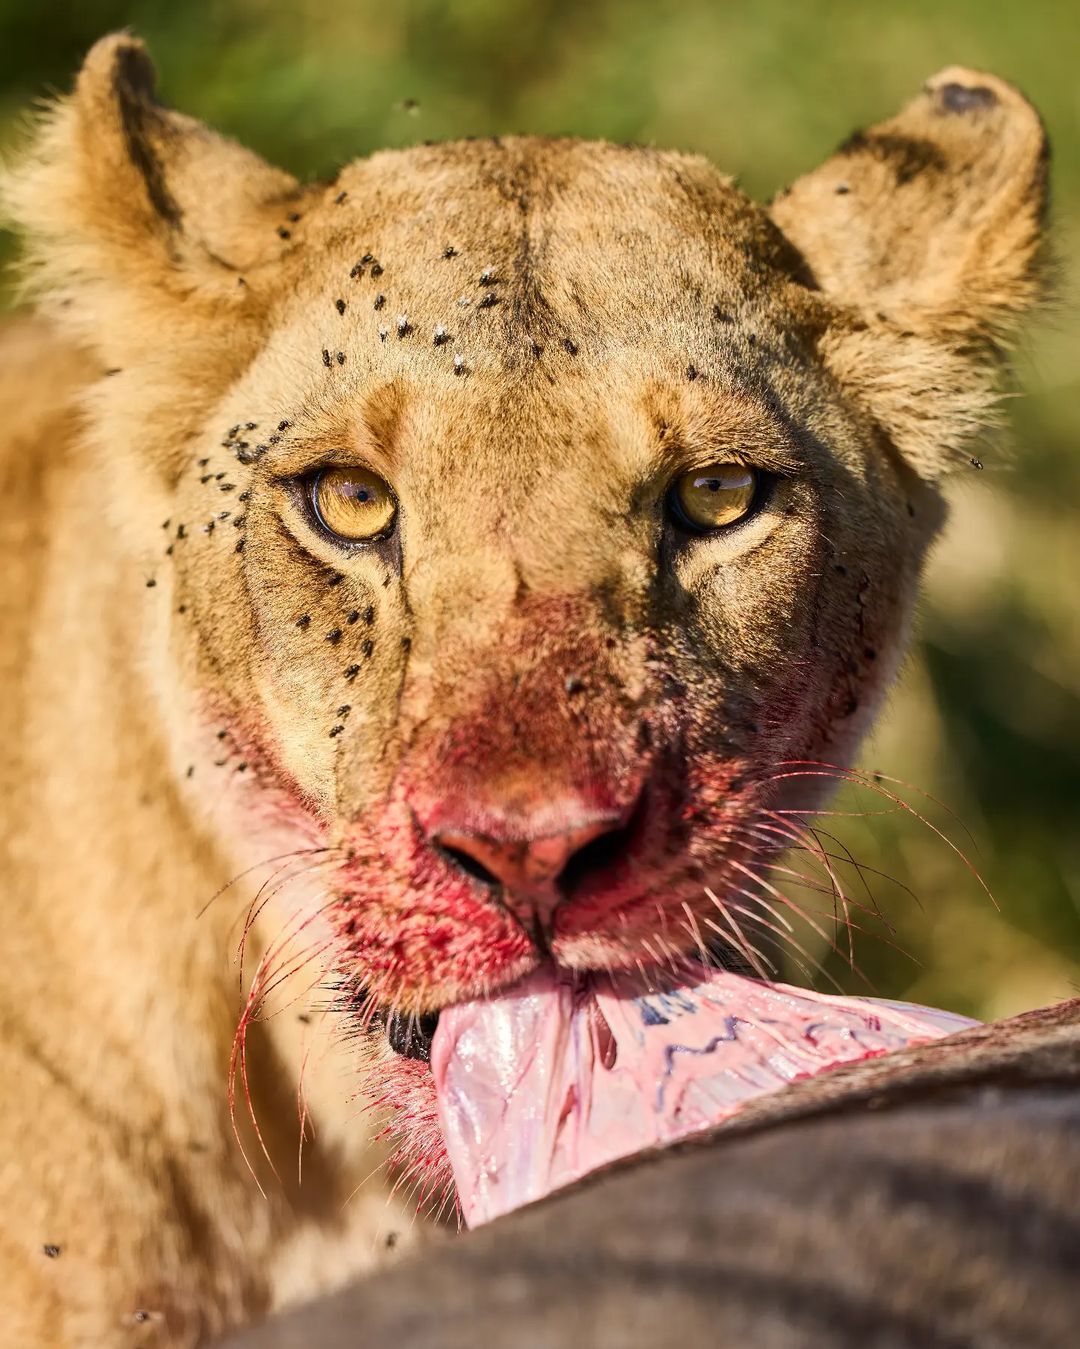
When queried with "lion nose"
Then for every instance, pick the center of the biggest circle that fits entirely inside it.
(527, 869)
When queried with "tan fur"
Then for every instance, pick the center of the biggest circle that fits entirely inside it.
(168, 723)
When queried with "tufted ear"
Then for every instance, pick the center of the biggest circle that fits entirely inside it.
(927, 231)
(118, 192)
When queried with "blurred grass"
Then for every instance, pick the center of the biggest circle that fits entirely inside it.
(987, 717)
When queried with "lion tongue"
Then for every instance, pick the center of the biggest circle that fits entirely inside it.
(556, 1076)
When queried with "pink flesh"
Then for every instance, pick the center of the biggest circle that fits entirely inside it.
(554, 1078)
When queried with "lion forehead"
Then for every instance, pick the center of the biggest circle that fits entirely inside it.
(528, 240)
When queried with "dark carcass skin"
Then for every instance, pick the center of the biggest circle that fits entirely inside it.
(930, 1198)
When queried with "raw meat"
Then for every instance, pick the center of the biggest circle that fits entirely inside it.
(558, 1075)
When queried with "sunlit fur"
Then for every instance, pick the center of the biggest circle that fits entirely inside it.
(529, 340)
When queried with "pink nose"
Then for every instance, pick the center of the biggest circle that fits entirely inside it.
(526, 869)
(524, 864)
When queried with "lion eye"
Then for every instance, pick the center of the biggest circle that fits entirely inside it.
(353, 503)
(714, 496)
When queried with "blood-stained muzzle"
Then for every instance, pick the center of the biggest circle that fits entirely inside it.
(539, 782)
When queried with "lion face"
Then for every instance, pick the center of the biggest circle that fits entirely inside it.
(532, 508)
(539, 705)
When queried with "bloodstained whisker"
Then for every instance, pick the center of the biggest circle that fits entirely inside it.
(694, 931)
(862, 868)
(284, 857)
(762, 965)
(264, 895)
(898, 802)
(815, 883)
(757, 959)
(787, 938)
(757, 899)
(839, 894)
(873, 779)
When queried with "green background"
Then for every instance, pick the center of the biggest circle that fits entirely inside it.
(987, 716)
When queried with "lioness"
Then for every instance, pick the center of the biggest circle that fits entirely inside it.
(468, 546)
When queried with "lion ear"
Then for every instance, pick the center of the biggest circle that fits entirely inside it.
(117, 189)
(927, 230)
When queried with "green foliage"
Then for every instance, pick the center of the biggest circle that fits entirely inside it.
(988, 716)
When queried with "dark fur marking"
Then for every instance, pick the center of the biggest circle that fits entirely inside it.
(133, 83)
(959, 98)
(908, 156)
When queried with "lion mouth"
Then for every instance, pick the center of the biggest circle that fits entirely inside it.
(410, 1037)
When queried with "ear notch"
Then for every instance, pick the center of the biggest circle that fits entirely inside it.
(116, 185)
(934, 217)
(926, 233)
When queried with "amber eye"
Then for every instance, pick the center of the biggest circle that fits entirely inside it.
(714, 496)
(353, 503)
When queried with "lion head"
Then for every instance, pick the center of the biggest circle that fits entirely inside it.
(512, 515)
